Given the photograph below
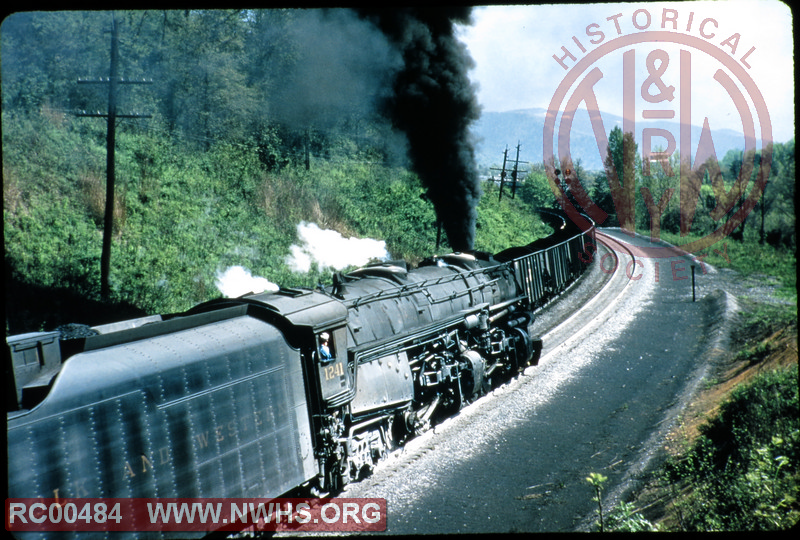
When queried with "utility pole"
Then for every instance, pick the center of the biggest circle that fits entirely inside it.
(514, 172)
(111, 126)
(502, 173)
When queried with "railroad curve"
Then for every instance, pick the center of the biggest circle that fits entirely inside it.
(452, 479)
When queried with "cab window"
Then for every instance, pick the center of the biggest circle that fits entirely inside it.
(325, 349)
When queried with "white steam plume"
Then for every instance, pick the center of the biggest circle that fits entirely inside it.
(236, 281)
(329, 249)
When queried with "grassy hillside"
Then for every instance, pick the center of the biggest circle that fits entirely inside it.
(184, 214)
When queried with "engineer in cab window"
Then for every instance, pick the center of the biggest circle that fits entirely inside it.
(325, 355)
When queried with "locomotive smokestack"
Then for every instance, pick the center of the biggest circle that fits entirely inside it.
(433, 104)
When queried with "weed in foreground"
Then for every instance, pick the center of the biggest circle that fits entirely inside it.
(742, 473)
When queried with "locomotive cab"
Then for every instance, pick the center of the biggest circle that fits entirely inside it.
(306, 317)
(330, 361)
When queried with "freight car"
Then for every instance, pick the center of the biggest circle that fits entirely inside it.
(234, 399)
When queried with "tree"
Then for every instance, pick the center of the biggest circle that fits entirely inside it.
(535, 189)
(778, 202)
(207, 94)
(44, 53)
(657, 206)
(615, 188)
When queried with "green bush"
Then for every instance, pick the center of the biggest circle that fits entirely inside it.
(507, 222)
(744, 469)
(625, 518)
(754, 414)
(50, 242)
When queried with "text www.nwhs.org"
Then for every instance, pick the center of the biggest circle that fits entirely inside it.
(195, 514)
(250, 513)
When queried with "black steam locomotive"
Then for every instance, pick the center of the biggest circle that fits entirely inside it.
(238, 398)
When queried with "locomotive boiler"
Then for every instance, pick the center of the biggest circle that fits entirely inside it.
(235, 398)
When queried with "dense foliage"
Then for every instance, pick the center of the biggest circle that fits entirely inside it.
(217, 74)
(184, 214)
(259, 120)
(744, 469)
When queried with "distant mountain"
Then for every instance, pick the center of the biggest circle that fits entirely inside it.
(497, 131)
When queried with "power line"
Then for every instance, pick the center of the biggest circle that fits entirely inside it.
(112, 81)
(514, 172)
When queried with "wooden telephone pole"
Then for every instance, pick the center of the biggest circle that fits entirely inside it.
(514, 173)
(111, 126)
(503, 173)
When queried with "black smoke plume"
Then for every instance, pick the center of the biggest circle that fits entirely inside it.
(341, 66)
(433, 104)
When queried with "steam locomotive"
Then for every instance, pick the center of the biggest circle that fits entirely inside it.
(234, 398)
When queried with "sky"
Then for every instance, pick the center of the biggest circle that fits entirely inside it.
(513, 48)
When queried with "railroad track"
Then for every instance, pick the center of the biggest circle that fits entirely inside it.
(597, 305)
(516, 459)
(611, 266)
